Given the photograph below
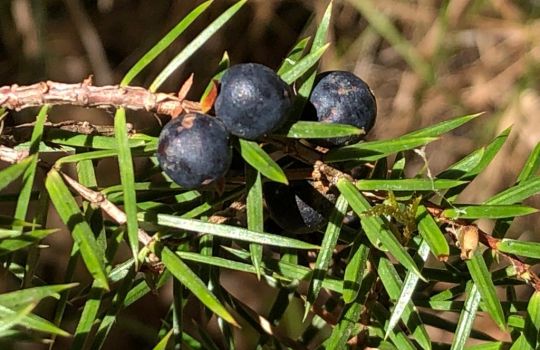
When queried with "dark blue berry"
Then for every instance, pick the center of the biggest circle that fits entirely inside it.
(194, 150)
(297, 208)
(342, 97)
(253, 100)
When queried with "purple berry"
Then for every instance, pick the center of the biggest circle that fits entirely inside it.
(297, 208)
(253, 100)
(194, 150)
(342, 97)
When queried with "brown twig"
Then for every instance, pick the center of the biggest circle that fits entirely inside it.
(11, 155)
(84, 94)
(80, 127)
(235, 213)
(99, 199)
(523, 270)
(331, 174)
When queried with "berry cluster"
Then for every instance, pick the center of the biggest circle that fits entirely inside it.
(194, 149)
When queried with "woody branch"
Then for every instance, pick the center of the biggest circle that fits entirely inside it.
(85, 94)
(523, 270)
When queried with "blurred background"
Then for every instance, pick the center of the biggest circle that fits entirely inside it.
(425, 60)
